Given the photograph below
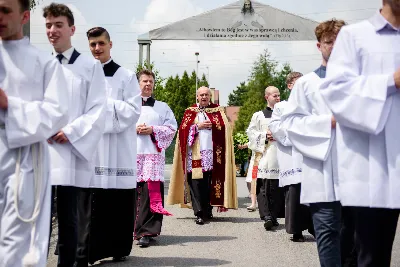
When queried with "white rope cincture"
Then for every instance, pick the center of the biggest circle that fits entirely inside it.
(31, 259)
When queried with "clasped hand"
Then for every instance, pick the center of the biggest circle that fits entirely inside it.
(59, 138)
(142, 129)
(269, 136)
(204, 125)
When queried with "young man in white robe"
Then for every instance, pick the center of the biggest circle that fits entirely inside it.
(362, 90)
(311, 130)
(107, 209)
(264, 169)
(33, 107)
(73, 147)
(297, 216)
(156, 129)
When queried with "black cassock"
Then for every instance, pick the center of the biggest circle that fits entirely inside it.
(106, 221)
(297, 216)
(147, 223)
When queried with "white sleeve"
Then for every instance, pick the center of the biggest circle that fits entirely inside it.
(310, 134)
(276, 127)
(256, 138)
(357, 101)
(29, 122)
(164, 134)
(85, 131)
(122, 114)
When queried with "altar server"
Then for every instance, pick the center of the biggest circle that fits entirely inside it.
(156, 129)
(297, 216)
(73, 147)
(362, 90)
(106, 210)
(33, 107)
(265, 171)
(311, 130)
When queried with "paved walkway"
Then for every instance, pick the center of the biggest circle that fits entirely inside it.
(236, 238)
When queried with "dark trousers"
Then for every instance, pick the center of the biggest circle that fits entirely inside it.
(200, 190)
(327, 225)
(375, 231)
(67, 213)
(85, 200)
(270, 198)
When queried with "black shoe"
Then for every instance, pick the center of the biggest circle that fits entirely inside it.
(119, 259)
(268, 224)
(298, 238)
(144, 242)
(210, 216)
(199, 221)
(275, 222)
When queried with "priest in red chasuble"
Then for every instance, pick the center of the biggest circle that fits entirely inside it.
(203, 174)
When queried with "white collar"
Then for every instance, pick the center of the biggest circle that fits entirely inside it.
(108, 61)
(67, 53)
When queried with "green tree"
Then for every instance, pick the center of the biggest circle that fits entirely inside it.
(238, 96)
(280, 81)
(264, 73)
(203, 81)
(180, 92)
(33, 4)
(182, 96)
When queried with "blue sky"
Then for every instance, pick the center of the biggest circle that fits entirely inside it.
(225, 63)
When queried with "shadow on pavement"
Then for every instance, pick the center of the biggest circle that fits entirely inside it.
(166, 240)
(165, 261)
(224, 219)
(235, 219)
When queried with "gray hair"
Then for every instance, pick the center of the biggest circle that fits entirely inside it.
(203, 87)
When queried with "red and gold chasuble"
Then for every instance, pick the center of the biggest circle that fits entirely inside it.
(213, 113)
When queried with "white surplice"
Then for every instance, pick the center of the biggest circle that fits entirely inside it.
(308, 122)
(206, 144)
(361, 93)
(72, 163)
(151, 148)
(116, 155)
(37, 108)
(289, 159)
(257, 133)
